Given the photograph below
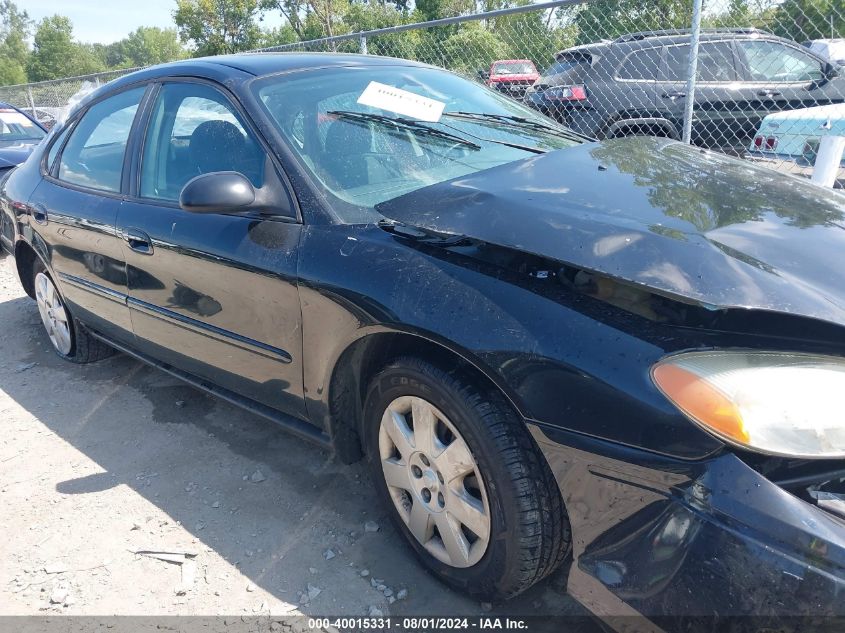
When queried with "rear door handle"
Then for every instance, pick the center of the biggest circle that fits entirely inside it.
(39, 214)
(677, 94)
(768, 93)
(138, 241)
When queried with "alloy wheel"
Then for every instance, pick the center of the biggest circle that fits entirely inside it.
(53, 313)
(434, 481)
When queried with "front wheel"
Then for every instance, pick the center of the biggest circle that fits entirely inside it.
(463, 480)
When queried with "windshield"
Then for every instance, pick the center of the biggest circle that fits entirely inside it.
(368, 135)
(514, 68)
(15, 126)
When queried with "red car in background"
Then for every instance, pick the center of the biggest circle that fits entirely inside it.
(511, 76)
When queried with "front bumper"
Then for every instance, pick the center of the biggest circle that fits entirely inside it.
(672, 540)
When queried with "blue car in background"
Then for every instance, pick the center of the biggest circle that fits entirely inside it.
(789, 141)
(19, 134)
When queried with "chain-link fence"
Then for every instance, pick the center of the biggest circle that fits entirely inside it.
(760, 79)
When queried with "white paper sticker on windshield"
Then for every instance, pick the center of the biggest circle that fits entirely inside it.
(402, 102)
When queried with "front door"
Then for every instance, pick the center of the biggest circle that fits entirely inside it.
(784, 77)
(214, 295)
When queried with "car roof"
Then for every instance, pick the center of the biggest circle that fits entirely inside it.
(237, 68)
(258, 64)
(647, 39)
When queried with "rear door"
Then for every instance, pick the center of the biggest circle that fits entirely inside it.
(717, 115)
(74, 210)
(214, 295)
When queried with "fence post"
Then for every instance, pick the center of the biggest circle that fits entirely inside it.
(692, 69)
(828, 160)
(362, 41)
(31, 100)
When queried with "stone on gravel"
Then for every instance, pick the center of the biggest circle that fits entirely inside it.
(313, 591)
(371, 526)
(257, 477)
(401, 594)
(250, 587)
(365, 573)
(375, 612)
(328, 554)
(486, 606)
(216, 504)
(59, 595)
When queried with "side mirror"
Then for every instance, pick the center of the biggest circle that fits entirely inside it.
(217, 192)
(483, 75)
(831, 71)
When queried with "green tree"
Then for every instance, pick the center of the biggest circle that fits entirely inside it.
(533, 36)
(218, 26)
(55, 54)
(471, 48)
(148, 45)
(607, 19)
(15, 27)
(801, 20)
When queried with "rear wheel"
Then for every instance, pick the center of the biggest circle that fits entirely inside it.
(463, 480)
(68, 338)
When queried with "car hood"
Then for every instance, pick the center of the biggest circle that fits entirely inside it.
(688, 223)
(16, 152)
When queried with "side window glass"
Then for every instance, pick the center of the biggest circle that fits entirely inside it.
(715, 62)
(194, 130)
(55, 147)
(93, 156)
(641, 65)
(775, 63)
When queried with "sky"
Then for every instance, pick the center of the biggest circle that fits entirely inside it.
(107, 21)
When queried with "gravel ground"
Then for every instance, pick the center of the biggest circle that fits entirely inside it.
(101, 463)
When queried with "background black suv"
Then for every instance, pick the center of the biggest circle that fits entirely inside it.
(636, 84)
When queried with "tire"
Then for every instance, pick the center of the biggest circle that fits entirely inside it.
(506, 479)
(69, 339)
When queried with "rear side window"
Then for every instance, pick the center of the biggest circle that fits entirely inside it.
(715, 62)
(643, 65)
(568, 65)
(55, 147)
(93, 155)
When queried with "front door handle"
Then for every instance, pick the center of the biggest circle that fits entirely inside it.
(138, 241)
(676, 94)
(768, 93)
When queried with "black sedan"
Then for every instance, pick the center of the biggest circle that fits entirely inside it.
(629, 354)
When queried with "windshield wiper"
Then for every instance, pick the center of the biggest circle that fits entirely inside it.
(518, 121)
(408, 124)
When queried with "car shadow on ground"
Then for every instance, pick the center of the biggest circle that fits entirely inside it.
(268, 503)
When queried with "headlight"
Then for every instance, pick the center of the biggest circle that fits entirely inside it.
(772, 402)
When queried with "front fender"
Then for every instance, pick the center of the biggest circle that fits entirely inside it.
(558, 357)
